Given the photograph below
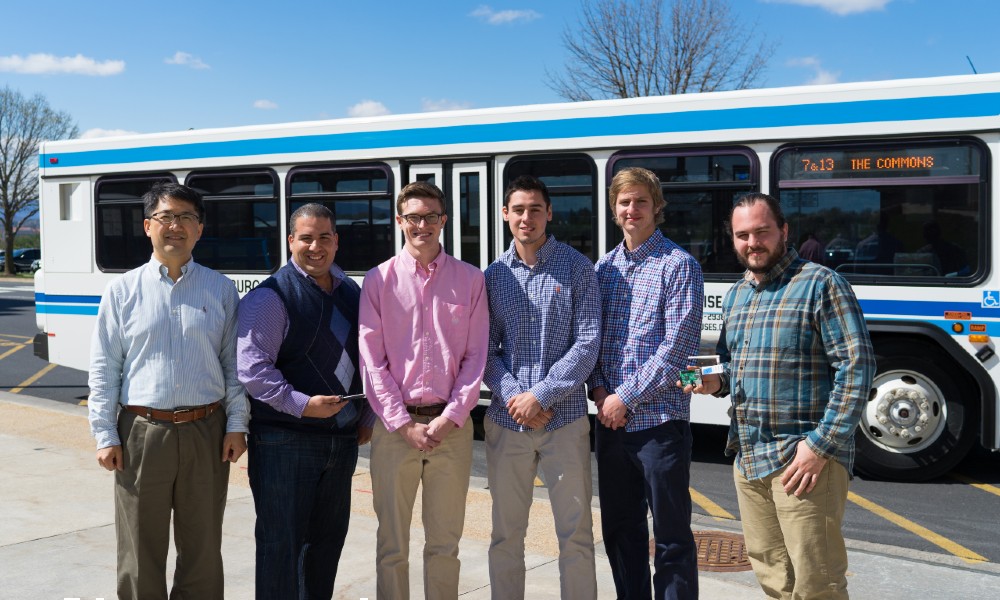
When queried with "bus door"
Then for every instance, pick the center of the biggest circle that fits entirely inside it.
(64, 302)
(466, 189)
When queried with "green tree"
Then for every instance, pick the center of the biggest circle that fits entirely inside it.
(632, 48)
(24, 124)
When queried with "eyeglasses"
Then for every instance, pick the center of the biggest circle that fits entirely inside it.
(429, 218)
(166, 218)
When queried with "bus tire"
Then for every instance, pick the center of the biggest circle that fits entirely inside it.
(917, 422)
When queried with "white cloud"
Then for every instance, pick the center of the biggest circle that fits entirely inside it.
(368, 108)
(503, 17)
(840, 7)
(265, 104)
(97, 132)
(428, 105)
(820, 75)
(44, 64)
(186, 60)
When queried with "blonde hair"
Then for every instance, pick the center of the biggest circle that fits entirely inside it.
(637, 176)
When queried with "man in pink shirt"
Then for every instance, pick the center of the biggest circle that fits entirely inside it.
(423, 333)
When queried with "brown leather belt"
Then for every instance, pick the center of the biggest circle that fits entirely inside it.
(426, 410)
(183, 415)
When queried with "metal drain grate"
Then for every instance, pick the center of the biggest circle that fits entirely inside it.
(718, 551)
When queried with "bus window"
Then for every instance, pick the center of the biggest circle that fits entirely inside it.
(700, 187)
(887, 211)
(121, 240)
(241, 220)
(361, 200)
(572, 182)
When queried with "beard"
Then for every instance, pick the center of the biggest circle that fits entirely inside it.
(767, 265)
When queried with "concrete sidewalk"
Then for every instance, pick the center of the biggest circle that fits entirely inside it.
(57, 532)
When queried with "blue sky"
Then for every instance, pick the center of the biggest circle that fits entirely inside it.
(144, 67)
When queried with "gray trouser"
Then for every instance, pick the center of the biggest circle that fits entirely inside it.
(170, 468)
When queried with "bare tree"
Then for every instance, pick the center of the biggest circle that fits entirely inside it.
(24, 124)
(625, 49)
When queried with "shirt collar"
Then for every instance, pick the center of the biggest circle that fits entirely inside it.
(544, 253)
(162, 268)
(775, 272)
(413, 265)
(336, 272)
(645, 249)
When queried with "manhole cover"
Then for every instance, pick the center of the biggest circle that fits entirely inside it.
(718, 551)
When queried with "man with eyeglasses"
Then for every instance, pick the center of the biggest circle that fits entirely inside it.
(297, 354)
(424, 326)
(166, 407)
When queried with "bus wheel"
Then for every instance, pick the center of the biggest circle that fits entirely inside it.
(917, 423)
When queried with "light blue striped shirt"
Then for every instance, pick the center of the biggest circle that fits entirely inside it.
(165, 345)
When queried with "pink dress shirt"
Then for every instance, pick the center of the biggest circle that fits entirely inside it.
(423, 336)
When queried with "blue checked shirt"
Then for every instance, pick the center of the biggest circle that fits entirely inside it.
(798, 365)
(652, 299)
(544, 332)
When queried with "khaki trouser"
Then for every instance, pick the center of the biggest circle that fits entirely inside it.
(795, 544)
(513, 458)
(168, 468)
(397, 470)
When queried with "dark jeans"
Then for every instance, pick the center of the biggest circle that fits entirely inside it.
(637, 471)
(301, 485)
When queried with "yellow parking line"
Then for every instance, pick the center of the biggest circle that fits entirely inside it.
(11, 335)
(33, 378)
(12, 351)
(938, 540)
(992, 489)
(713, 509)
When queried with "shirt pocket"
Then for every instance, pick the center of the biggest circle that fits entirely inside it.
(791, 328)
(561, 304)
(203, 322)
(454, 323)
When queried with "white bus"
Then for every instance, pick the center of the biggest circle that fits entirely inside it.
(889, 183)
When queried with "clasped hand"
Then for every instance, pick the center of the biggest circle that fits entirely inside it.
(526, 410)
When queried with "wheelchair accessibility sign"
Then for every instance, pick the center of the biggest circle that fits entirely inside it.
(991, 299)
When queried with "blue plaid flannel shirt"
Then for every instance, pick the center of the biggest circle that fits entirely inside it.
(798, 365)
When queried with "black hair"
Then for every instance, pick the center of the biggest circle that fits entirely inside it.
(526, 183)
(164, 189)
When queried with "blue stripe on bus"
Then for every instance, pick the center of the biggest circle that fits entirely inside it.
(931, 311)
(830, 113)
(925, 308)
(65, 309)
(40, 297)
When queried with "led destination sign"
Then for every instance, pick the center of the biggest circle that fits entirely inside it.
(879, 162)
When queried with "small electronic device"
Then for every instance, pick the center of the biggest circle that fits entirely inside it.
(706, 364)
(690, 377)
(352, 397)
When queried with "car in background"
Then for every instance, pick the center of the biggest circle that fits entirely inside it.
(36, 265)
(23, 259)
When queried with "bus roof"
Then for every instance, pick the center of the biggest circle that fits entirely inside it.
(717, 117)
